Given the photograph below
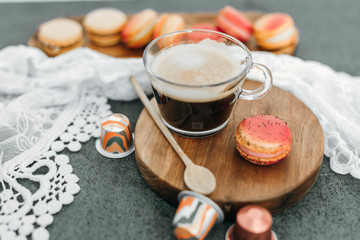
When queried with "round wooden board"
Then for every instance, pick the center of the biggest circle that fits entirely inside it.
(121, 50)
(239, 182)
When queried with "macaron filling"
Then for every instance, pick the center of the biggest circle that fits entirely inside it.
(281, 37)
(103, 35)
(104, 21)
(55, 48)
(257, 154)
(143, 35)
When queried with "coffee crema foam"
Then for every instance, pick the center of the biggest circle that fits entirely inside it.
(205, 63)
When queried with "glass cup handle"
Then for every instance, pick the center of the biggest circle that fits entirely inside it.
(263, 89)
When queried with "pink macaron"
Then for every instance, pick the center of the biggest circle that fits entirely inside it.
(263, 139)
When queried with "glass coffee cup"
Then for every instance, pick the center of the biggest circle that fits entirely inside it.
(197, 76)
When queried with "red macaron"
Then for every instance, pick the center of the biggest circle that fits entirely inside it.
(263, 139)
(233, 22)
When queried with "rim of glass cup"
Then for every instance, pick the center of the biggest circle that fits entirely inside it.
(242, 45)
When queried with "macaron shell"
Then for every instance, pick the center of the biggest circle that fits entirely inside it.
(159, 24)
(237, 18)
(142, 38)
(230, 28)
(272, 24)
(136, 31)
(168, 23)
(266, 129)
(275, 21)
(105, 21)
(60, 32)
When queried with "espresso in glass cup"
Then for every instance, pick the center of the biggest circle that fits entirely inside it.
(197, 76)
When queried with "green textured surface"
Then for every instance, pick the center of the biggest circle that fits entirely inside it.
(115, 203)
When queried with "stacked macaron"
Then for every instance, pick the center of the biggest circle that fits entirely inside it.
(103, 26)
(60, 35)
(263, 139)
(275, 31)
(110, 26)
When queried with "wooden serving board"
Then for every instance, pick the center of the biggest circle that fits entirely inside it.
(276, 187)
(121, 50)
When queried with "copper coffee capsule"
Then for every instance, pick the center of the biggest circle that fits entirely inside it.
(252, 223)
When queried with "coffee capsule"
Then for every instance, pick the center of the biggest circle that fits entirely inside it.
(252, 223)
(195, 216)
(116, 139)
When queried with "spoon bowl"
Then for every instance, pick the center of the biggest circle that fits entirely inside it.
(199, 179)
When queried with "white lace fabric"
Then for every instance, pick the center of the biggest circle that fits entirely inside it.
(49, 104)
(332, 96)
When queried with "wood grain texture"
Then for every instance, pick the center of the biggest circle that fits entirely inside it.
(239, 182)
(121, 50)
(197, 178)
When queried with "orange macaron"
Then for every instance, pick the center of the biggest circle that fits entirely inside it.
(168, 22)
(263, 139)
(275, 30)
(139, 29)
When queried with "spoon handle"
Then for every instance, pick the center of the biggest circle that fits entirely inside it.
(155, 116)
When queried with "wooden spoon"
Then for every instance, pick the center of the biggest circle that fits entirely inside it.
(196, 178)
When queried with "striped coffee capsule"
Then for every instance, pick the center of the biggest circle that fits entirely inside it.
(195, 216)
(116, 139)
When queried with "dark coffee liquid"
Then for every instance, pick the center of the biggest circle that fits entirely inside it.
(197, 108)
(194, 116)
